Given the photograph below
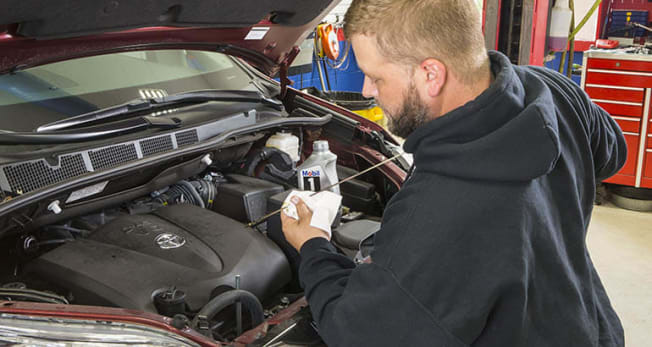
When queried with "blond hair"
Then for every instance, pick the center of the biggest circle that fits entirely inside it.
(410, 31)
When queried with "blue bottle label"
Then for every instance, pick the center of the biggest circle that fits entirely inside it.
(311, 178)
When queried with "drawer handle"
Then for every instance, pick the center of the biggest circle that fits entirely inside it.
(626, 119)
(614, 87)
(628, 133)
(622, 72)
(618, 102)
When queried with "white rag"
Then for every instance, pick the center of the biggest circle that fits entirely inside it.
(324, 206)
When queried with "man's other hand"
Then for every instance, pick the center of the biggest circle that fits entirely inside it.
(297, 232)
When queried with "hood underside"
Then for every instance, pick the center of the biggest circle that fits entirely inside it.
(34, 32)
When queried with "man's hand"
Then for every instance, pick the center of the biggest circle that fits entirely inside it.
(297, 232)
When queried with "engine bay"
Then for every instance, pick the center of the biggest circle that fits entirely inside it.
(177, 248)
(175, 241)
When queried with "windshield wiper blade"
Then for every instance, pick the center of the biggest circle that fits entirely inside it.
(95, 116)
(89, 133)
(141, 105)
(220, 95)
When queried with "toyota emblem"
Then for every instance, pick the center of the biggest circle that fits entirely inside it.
(169, 241)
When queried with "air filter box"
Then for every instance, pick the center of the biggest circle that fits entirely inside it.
(244, 198)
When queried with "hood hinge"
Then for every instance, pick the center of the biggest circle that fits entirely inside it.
(285, 66)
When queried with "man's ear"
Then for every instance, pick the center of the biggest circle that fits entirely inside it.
(433, 73)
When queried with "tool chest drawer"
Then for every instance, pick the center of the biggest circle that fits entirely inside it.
(621, 83)
(646, 180)
(647, 171)
(624, 65)
(619, 78)
(627, 124)
(616, 93)
(617, 108)
(632, 155)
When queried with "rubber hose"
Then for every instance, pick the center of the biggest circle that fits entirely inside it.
(66, 228)
(187, 194)
(206, 192)
(213, 189)
(571, 52)
(170, 196)
(173, 195)
(193, 191)
(588, 15)
(207, 189)
(220, 302)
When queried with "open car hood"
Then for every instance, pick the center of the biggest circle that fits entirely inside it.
(265, 32)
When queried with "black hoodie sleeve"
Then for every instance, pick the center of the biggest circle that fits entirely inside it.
(607, 143)
(440, 267)
(363, 305)
(606, 140)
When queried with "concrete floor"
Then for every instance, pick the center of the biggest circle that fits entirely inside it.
(620, 244)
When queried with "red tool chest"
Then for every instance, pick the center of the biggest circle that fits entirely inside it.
(621, 83)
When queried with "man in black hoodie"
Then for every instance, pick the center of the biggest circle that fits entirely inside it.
(484, 244)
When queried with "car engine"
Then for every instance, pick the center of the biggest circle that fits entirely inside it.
(133, 258)
(183, 250)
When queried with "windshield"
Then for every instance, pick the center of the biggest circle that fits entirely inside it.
(56, 91)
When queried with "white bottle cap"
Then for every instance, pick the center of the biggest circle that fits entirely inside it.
(54, 207)
(320, 146)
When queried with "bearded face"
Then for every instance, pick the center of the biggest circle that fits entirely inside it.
(411, 113)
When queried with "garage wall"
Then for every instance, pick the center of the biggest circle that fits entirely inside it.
(581, 7)
(588, 32)
(338, 12)
(347, 78)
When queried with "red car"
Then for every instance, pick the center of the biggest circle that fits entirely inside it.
(133, 160)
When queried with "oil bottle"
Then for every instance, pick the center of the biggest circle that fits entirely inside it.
(319, 170)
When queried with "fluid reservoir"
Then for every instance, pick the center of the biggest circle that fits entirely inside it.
(559, 26)
(319, 170)
(285, 142)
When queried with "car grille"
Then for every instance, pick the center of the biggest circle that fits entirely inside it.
(111, 156)
(185, 138)
(28, 176)
(156, 145)
(24, 177)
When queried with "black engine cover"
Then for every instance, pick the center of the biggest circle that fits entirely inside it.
(125, 262)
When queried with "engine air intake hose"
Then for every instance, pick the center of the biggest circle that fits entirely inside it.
(197, 200)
